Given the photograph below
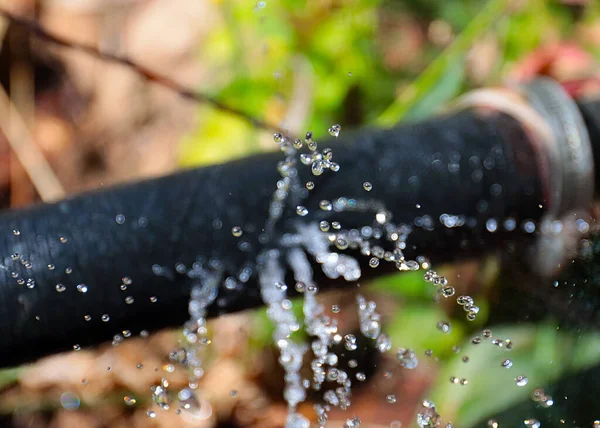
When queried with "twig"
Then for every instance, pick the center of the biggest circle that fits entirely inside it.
(151, 76)
(29, 154)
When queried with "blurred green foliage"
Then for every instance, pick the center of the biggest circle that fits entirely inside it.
(362, 62)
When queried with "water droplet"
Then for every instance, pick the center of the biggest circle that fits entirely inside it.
(63, 239)
(310, 185)
(128, 400)
(16, 232)
(532, 423)
(361, 376)
(60, 288)
(367, 186)
(454, 380)
(69, 270)
(335, 309)
(105, 318)
(236, 231)
(129, 300)
(383, 343)
(390, 398)
(300, 287)
(30, 283)
(492, 423)
(120, 219)
(312, 288)
(408, 358)
(153, 299)
(70, 401)
(87, 317)
(82, 288)
(51, 267)
(507, 364)
(373, 262)
(151, 414)
(464, 381)
(334, 131)
(301, 210)
(444, 326)
(325, 205)
(466, 359)
(76, 348)
(521, 380)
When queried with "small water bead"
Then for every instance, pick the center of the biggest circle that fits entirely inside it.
(492, 423)
(69, 270)
(487, 333)
(428, 352)
(367, 186)
(278, 138)
(312, 288)
(128, 400)
(51, 267)
(300, 287)
(151, 414)
(310, 185)
(236, 231)
(336, 225)
(390, 398)
(20, 281)
(301, 210)
(521, 380)
(63, 240)
(383, 343)
(428, 417)
(454, 380)
(16, 232)
(30, 283)
(335, 309)
(408, 358)
(129, 300)
(466, 359)
(476, 340)
(153, 299)
(60, 288)
(532, 423)
(76, 348)
(353, 422)
(352, 364)
(444, 326)
(87, 317)
(105, 318)
(334, 131)
(350, 342)
(82, 288)
(325, 205)
(324, 226)
(120, 219)
(70, 401)
(464, 381)
(506, 363)
(361, 376)
(123, 287)
(374, 262)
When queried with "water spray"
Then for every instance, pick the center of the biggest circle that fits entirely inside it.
(506, 169)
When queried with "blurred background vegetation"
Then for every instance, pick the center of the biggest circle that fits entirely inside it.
(304, 65)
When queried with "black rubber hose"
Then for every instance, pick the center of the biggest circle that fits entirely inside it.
(152, 232)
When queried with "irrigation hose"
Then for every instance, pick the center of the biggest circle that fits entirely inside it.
(84, 269)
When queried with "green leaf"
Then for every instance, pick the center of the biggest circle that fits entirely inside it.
(415, 327)
(440, 67)
(541, 353)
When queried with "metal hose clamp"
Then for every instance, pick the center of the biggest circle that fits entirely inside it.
(571, 174)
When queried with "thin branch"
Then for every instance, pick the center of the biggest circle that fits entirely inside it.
(29, 154)
(151, 76)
